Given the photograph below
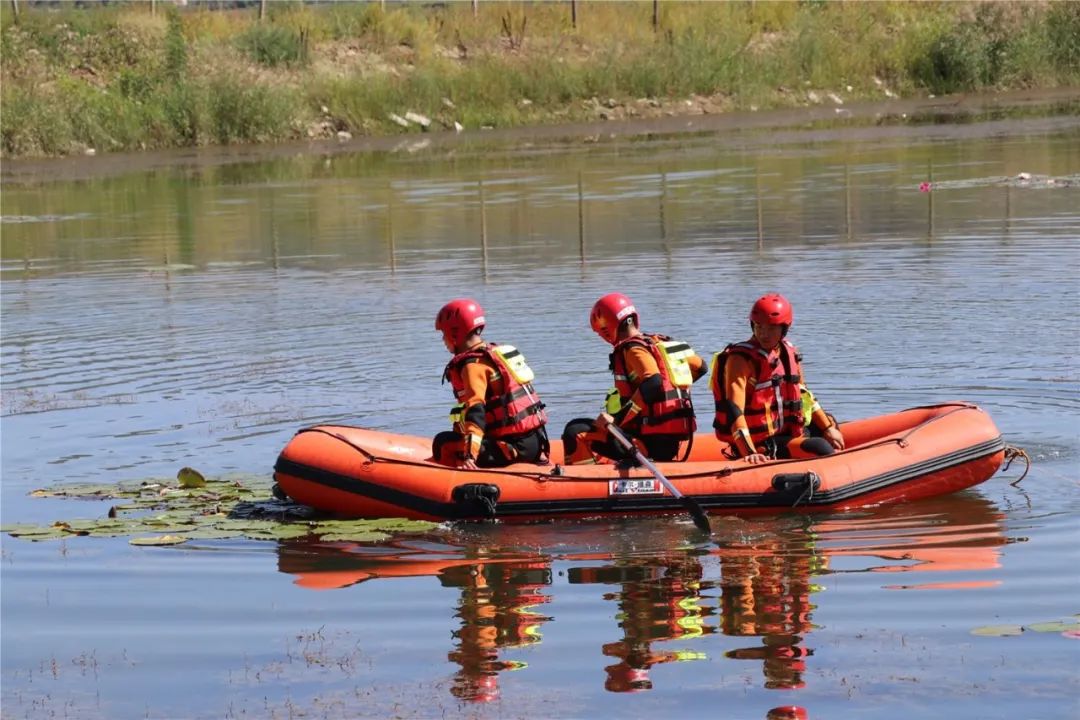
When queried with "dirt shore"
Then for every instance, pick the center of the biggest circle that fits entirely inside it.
(866, 119)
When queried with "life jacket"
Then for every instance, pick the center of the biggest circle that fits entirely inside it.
(809, 405)
(774, 406)
(517, 410)
(673, 413)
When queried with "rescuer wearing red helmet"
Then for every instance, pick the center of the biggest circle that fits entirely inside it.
(651, 398)
(498, 419)
(763, 408)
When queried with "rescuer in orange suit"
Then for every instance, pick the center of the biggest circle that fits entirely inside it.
(499, 419)
(650, 402)
(763, 407)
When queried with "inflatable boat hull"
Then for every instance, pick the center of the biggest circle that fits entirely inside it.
(916, 453)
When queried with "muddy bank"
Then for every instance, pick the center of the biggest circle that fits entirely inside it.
(948, 116)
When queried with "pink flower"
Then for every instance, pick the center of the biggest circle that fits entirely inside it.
(924, 187)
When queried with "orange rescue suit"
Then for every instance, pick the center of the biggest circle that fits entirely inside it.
(668, 411)
(757, 394)
(493, 401)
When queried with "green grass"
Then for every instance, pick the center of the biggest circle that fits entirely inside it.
(117, 78)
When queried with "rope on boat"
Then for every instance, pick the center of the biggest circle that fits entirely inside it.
(808, 493)
(1011, 453)
(337, 436)
(957, 407)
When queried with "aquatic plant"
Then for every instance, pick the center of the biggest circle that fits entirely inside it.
(171, 512)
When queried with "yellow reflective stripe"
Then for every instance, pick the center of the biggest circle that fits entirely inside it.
(809, 404)
(691, 626)
(690, 604)
(714, 369)
(676, 356)
(613, 402)
(515, 362)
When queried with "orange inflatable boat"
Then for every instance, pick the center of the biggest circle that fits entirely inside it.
(912, 454)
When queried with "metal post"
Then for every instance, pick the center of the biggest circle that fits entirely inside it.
(573, 13)
(1008, 210)
(760, 223)
(15, 10)
(483, 230)
(274, 232)
(656, 15)
(663, 205)
(930, 201)
(847, 201)
(580, 218)
(390, 227)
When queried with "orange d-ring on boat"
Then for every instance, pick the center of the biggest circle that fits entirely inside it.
(915, 453)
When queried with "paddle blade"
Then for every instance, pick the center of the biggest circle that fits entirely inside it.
(697, 513)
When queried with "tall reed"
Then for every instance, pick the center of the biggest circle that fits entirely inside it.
(116, 77)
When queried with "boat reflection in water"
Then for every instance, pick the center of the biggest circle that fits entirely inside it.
(765, 593)
(758, 579)
(659, 598)
(498, 609)
(501, 593)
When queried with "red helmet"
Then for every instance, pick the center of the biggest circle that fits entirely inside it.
(459, 318)
(624, 678)
(772, 309)
(609, 312)
(487, 689)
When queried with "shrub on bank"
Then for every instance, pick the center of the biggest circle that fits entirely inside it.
(117, 77)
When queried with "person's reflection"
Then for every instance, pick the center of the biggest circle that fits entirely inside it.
(499, 594)
(497, 610)
(765, 592)
(659, 600)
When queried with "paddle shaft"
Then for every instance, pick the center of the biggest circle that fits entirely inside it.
(691, 505)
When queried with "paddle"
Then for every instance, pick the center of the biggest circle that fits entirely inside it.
(691, 505)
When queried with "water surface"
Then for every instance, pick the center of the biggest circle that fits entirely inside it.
(199, 315)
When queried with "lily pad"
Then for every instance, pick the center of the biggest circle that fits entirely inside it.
(35, 534)
(190, 478)
(1051, 627)
(280, 532)
(19, 528)
(171, 517)
(245, 525)
(112, 531)
(211, 533)
(159, 540)
(998, 630)
(193, 506)
(140, 504)
(94, 490)
(402, 524)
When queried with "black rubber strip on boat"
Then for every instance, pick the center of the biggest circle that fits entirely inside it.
(631, 504)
